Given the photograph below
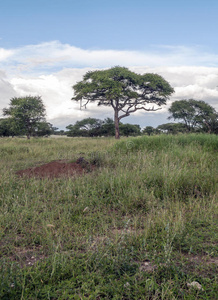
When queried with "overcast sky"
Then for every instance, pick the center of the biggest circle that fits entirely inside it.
(46, 46)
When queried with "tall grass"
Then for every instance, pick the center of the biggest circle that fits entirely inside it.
(140, 226)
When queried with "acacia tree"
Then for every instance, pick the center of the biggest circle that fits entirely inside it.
(125, 91)
(195, 114)
(26, 113)
(85, 127)
(149, 130)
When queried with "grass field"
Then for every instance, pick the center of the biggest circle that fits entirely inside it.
(142, 225)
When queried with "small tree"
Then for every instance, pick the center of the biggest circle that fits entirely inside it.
(130, 129)
(86, 127)
(43, 129)
(196, 115)
(125, 91)
(26, 113)
(149, 130)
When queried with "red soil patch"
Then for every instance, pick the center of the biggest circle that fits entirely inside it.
(59, 168)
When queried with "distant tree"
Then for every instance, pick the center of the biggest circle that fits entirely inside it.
(172, 128)
(26, 113)
(196, 115)
(107, 128)
(72, 131)
(61, 132)
(86, 127)
(55, 130)
(125, 91)
(88, 124)
(43, 129)
(129, 130)
(210, 123)
(149, 130)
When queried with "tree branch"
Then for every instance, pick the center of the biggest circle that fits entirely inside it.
(128, 112)
(83, 104)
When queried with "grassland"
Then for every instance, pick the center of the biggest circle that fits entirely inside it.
(142, 225)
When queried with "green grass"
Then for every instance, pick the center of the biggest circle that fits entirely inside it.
(142, 225)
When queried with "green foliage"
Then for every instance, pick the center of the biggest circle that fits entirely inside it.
(92, 127)
(86, 127)
(130, 130)
(8, 128)
(149, 130)
(120, 85)
(172, 128)
(108, 127)
(195, 115)
(43, 129)
(26, 113)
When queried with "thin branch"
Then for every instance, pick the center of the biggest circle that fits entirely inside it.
(128, 112)
(83, 104)
(121, 106)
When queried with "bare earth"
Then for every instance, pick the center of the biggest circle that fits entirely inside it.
(58, 168)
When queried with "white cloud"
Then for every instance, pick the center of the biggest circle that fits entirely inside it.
(200, 83)
(4, 54)
(50, 56)
(50, 70)
(7, 91)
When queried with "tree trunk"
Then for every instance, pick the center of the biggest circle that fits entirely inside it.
(28, 129)
(116, 122)
(28, 134)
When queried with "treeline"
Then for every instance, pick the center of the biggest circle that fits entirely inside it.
(91, 127)
(194, 116)
(26, 116)
(10, 128)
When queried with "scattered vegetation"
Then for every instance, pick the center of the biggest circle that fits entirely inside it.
(142, 225)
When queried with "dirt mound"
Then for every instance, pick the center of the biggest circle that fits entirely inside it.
(58, 168)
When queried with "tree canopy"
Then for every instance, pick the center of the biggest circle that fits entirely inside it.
(125, 91)
(149, 130)
(26, 113)
(195, 114)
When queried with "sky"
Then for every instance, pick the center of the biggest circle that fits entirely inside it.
(46, 46)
